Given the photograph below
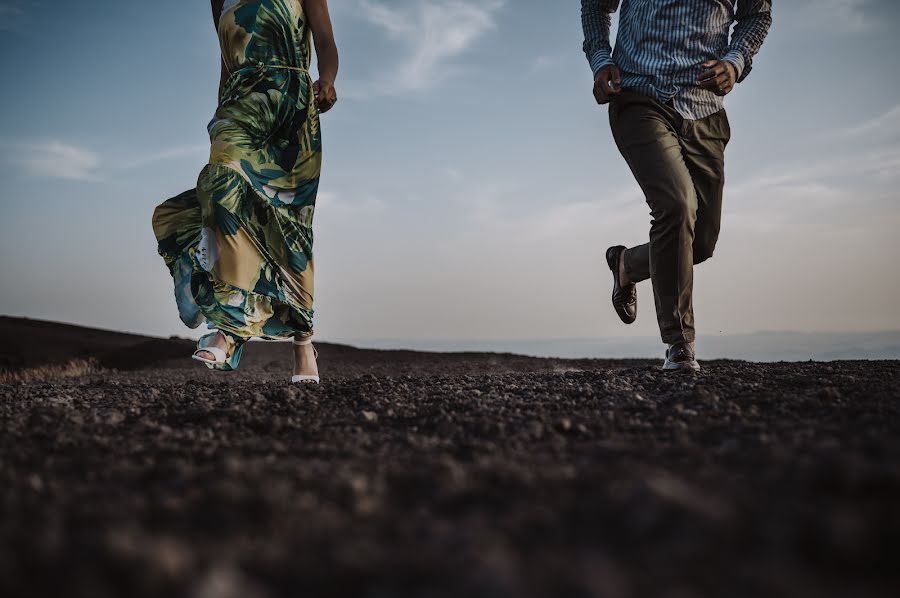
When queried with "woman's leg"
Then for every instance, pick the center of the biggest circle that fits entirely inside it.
(259, 273)
(305, 363)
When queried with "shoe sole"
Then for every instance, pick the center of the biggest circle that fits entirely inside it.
(612, 260)
(210, 364)
(681, 366)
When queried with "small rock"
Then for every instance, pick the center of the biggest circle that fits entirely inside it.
(286, 394)
(36, 483)
(728, 447)
(830, 392)
(226, 581)
(445, 428)
(359, 484)
(704, 394)
(370, 416)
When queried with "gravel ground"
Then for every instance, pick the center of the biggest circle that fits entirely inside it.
(501, 476)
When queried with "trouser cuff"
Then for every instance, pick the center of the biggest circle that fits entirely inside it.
(685, 337)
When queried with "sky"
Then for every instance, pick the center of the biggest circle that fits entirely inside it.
(470, 186)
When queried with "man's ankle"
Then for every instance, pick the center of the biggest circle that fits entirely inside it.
(688, 344)
(624, 281)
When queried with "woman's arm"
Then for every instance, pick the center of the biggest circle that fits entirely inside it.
(217, 14)
(326, 52)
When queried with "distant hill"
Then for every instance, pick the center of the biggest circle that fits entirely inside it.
(758, 346)
(34, 343)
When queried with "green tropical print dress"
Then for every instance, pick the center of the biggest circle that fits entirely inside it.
(239, 246)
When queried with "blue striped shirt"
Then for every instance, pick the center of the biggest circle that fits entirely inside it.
(662, 43)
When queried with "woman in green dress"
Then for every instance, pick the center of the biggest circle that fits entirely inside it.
(239, 245)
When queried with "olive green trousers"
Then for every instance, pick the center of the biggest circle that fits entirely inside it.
(680, 166)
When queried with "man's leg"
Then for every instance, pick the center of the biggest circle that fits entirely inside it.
(703, 148)
(647, 134)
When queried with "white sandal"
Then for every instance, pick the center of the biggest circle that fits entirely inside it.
(220, 356)
(305, 379)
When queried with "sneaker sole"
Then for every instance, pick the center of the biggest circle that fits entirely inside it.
(681, 366)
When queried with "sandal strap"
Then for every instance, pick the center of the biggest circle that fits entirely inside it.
(219, 354)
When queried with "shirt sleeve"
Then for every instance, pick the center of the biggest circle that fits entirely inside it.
(753, 18)
(596, 22)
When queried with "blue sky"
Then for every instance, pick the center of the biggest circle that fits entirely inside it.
(471, 185)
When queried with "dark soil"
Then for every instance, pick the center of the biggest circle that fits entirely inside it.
(472, 475)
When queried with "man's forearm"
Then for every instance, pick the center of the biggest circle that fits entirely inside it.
(754, 18)
(596, 23)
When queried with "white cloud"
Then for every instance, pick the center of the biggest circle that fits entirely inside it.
(56, 159)
(62, 160)
(882, 162)
(333, 202)
(433, 31)
(830, 194)
(889, 122)
(506, 209)
(182, 151)
(542, 63)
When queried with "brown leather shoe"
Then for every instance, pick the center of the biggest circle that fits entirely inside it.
(624, 299)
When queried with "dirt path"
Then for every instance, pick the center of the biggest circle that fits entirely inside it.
(749, 480)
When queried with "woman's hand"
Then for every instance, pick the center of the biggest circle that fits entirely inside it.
(326, 96)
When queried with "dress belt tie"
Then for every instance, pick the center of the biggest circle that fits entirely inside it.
(263, 65)
(285, 68)
(233, 76)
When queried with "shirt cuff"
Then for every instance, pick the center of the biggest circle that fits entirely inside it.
(600, 59)
(737, 60)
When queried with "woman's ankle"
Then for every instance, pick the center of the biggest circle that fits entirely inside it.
(219, 340)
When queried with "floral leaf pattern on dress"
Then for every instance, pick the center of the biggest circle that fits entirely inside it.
(239, 245)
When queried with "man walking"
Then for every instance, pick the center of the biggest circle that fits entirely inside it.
(674, 62)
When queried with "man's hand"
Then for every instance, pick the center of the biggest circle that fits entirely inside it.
(607, 83)
(326, 96)
(719, 77)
